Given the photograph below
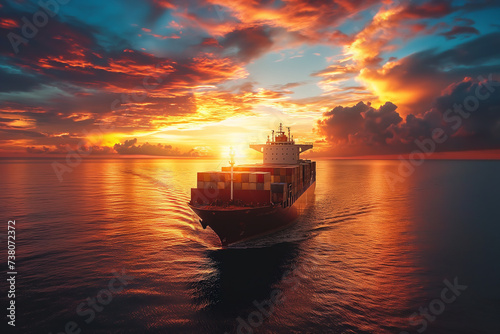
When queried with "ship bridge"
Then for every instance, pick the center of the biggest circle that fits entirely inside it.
(281, 149)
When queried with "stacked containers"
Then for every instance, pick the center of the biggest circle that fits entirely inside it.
(289, 174)
(242, 180)
(298, 175)
(249, 188)
(253, 182)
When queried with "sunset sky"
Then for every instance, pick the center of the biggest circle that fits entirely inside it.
(191, 78)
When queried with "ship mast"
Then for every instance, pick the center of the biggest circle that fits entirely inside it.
(231, 162)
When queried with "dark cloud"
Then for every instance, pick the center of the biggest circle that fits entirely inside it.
(128, 143)
(477, 5)
(130, 148)
(464, 21)
(460, 30)
(379, 123)
(422, 75)
(339, 124)
(63, 149)
(17, 80)
(472, 53)
(359, 124)
(59, 145)
(429, 9)
(12, 133)
(250, 42)
(481, 123)
(35, 150)
(468, 113)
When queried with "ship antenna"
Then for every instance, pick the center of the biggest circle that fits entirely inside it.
(288, 133)
(231, 162)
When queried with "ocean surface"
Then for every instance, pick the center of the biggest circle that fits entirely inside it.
(420, 256)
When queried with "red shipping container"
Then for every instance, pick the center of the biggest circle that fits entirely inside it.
(260, 178)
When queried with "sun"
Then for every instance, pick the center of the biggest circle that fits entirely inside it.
(238, 149)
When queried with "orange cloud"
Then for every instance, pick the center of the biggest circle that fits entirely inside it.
(364, 57)
(8, 23)
(308, 18)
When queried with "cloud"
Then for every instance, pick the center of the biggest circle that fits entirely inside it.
(130, 148)
(365, 51)
(481, 123)
(308, 18)
(250, 42)
(62, 149)
(460, 30)
(413, 81)
(70, 56)
(359, 124)
(364, 130)
(12, 133)
(429, 9)
(17, 80)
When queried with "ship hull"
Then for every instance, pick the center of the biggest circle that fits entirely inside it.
(235, 225)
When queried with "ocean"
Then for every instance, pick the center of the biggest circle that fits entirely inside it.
(113, 248)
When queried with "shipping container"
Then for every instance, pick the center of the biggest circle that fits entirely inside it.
(245, 178)
(252, 177)
(260, 177)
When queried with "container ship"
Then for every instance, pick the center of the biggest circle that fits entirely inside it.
(247, 201)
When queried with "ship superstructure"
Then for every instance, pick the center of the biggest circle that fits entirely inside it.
(281, 149)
